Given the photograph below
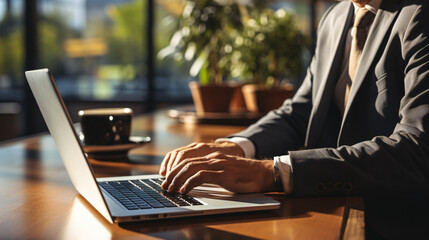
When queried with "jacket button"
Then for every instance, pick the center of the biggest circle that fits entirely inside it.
(320, 187)
(339, 187)
(329, 187)
(348, 187)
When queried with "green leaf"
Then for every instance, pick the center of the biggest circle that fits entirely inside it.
(204, 75)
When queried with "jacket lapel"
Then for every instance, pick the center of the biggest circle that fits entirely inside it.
(326, 88)
(382, 23)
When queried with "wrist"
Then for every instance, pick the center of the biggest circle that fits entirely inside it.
(269, 183)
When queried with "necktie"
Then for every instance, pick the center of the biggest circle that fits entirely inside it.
(363, 20)
(362, 23)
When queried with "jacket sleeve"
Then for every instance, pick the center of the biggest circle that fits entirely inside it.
(393, 164)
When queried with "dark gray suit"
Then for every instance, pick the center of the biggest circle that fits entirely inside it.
(381, 144)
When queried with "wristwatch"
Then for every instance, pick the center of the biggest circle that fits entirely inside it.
(276, 172)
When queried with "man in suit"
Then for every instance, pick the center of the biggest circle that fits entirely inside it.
(362, 115)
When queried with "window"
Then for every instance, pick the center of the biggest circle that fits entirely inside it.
(95, 49)
(98, 50)
(11, 50)
(171, 78)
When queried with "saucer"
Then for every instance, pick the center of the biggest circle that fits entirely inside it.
(134, 141)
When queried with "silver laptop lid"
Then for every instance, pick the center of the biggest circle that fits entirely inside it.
(61, 128)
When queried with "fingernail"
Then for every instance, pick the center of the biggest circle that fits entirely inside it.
(182, 190)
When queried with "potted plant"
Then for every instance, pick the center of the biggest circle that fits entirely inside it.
(205, 38)
(269, 54)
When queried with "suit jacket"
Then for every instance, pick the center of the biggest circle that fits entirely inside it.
(381, 143)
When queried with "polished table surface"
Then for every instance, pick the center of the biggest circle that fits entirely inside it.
(38, 201)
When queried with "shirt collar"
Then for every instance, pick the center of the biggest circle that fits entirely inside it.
(372, 6)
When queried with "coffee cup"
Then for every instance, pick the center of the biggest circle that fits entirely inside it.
(105, 126)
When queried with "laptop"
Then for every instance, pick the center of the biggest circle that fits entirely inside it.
(128, 198)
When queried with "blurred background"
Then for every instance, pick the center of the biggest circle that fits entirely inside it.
(101, 53)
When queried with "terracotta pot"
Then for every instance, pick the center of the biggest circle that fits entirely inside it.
(211, 98)
(238, 105)
(262, 100)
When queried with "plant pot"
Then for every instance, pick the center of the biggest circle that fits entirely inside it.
(238, 105)
(261, 100)
(211, 98)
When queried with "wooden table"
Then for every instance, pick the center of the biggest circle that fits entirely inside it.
(38, 201)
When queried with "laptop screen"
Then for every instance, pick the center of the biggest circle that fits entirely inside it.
(60, 126)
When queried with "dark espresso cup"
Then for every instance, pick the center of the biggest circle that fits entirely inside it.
(106, 126)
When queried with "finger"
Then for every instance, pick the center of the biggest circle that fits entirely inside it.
(180, 156)
(171, 161)
(201, 177)
(174, 171)
(195, 150)
(163, 168)
(189, 169)
(169, 164)
(172, 174)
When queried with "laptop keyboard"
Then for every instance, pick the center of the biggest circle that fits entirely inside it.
(146, 194)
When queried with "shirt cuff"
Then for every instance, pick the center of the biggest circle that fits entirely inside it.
(285, 167)
(245, 144)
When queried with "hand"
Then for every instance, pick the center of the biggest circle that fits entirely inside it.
(236, 174)
(173, 158)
